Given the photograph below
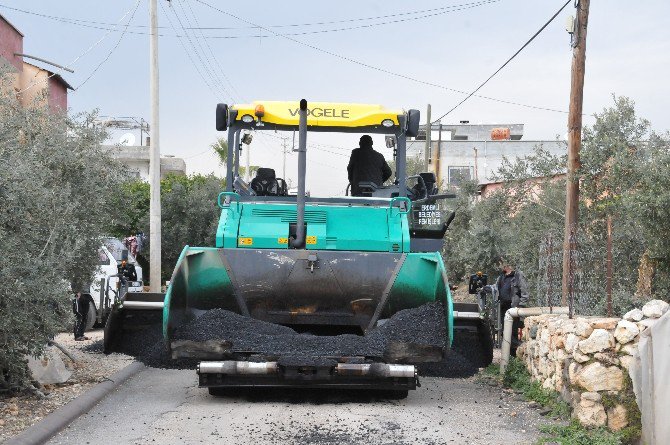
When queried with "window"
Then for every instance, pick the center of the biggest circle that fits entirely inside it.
(459, 174)
(103, 259)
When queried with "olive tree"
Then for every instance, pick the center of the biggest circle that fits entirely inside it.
(55, 182)
(189, 212)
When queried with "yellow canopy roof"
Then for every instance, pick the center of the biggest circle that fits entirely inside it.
(321, 114)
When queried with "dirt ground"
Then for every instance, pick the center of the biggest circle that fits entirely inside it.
(19, 412)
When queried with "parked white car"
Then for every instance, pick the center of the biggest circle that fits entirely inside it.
(110, 254)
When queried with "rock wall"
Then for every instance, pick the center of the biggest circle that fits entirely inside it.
(586, 359)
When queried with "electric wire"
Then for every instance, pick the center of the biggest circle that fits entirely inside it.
(481, 85)
(376, 68)
(188, 53)
(215, 74)
(109, 54)
(426, 13)
(214, 83)
(221, 70)
(76, 59)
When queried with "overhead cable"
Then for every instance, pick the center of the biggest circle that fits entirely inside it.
(504, 64)
(372, 67)
(428, 13)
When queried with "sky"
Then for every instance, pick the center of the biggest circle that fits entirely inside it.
(453, 44)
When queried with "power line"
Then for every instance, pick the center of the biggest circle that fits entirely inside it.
(375, 68)
(427, 13)
(206, 66)
(221, 70)
(188, 53)
(90, 48)
(504, 64)
(109, 54)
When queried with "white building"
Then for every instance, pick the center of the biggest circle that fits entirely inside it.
(136, 160)
(468, 151)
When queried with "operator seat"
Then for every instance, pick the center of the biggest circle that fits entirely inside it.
(267, 184)
(431, 183)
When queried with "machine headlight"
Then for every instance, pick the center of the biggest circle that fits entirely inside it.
(247, 118)
(387, 123)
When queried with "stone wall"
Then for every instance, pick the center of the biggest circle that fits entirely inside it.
(586, 359)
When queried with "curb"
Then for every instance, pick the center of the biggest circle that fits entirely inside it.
(52, 424)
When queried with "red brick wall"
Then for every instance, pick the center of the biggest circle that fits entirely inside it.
(10, 42)
(57, 95)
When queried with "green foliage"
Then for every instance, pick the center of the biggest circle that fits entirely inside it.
(625, 176)
(55, 185)
(220, 147)
(576, 434)
(189, 214)
(517, 377)
(414, 165)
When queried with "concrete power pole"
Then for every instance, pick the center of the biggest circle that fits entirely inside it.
(574, 146)
(247, 172)
(154, 158)
(283, 149)
(429, 127)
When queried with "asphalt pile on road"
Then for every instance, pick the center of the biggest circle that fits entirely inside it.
(423, 325)
(257, 340)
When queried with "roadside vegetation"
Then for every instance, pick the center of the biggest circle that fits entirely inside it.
(569, 432)
(55, 187)
(624, 179)
(190, 215)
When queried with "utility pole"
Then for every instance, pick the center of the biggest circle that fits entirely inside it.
(476, 175)
(154, 158)
(608, 283)
(247, 172)
(574, 146)
(429, 127)
(283, 171)
(438, 157)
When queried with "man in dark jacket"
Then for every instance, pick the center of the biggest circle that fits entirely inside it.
(80, 307)
(512, 292)
(367, 165)
(127, 271)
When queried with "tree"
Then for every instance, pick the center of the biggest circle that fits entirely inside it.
(625, 178)
(55, 182)
(189, 214)
(220, 147)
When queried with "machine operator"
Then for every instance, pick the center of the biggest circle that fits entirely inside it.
(366, 165)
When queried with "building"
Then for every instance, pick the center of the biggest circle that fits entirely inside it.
(475, 151)
(30, 82)
(486, 189)
(136, 160)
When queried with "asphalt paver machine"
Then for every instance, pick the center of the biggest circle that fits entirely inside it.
(341, 265)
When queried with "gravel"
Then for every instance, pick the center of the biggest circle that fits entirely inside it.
(19, 411)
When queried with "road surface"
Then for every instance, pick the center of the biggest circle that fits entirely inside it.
(166, 407)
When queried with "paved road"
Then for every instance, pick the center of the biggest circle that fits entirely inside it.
(166, 407)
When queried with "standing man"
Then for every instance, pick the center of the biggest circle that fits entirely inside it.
(80, 307)
(512, 292)
(127, 270)
(367, 165)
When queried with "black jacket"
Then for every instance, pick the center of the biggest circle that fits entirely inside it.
(519, 291)
(81, 305)
(366, 164)
(128, 272)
